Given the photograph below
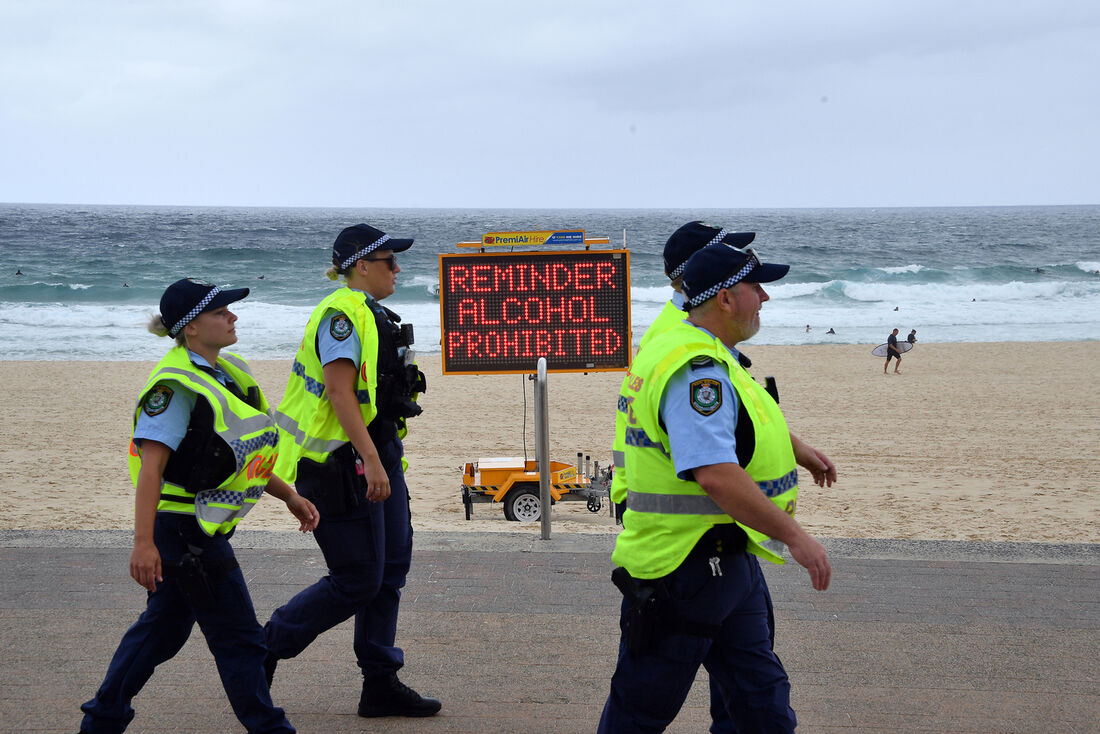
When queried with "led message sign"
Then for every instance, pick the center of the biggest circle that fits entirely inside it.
(501, 311)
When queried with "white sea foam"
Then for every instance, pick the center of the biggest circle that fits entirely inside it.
(650, 294)
(864, 313)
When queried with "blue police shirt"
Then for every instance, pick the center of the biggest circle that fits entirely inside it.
(169, 426)
(699, 408)
(337, 338)
(342, 340)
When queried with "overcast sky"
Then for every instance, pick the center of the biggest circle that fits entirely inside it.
(717, 103)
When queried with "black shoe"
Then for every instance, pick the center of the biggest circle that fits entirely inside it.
(387, 696)
(269, 668)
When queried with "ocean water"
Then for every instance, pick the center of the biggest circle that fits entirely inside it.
(92, 275)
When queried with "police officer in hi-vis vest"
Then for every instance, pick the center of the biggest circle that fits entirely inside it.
(202, 454)
(353, 384)
(680, 246)
(684, 242)
(711, 485)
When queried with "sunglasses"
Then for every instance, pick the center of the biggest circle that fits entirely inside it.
(392, 260)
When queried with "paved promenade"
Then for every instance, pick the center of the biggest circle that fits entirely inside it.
(516, 634)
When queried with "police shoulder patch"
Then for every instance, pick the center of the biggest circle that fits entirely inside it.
(706, 396)
(157, 399)
(340, 327)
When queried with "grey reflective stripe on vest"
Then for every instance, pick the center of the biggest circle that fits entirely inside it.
(236, 362)
(314, 445)
(236, 427)
(672, 504)
(698, 504)
(619, 457)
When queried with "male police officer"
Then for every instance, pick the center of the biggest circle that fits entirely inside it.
(681, 245)
(711, 478)
(684, 242)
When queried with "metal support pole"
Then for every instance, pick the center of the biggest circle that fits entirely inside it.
(542, 445)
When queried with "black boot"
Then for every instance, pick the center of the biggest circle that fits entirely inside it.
(387, 696)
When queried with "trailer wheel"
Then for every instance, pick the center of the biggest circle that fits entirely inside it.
(523, 505)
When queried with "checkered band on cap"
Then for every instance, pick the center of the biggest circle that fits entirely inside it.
(194, 312)
(679, 270)
(728, 283)
(365, 251)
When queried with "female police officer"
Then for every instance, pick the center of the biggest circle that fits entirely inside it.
(202, 454)
(351, 388)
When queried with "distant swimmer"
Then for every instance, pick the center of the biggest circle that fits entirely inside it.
(1039, 270)
(18, 272)
(895, 308)
(260, 278)
(807, 328)
(830, 331)
(125, 285)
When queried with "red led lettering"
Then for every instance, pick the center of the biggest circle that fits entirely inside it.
(592, 312)
(605, 273)
(481, 275)
(454, 341)
(458, 279)
(560, 276)
(542, 343)
(502, 279)
(559, 310)
(485, 319)
(578, 336)
(534, 275)
(518, 312)
(532, 316)
(492, 344)
(467, 307)
(473, 341)
(582, 277)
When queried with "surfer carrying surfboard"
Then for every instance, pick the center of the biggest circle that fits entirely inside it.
(892, 352)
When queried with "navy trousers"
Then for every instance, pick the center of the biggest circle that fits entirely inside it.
(368, 552)
(648, 690)
(232, 633)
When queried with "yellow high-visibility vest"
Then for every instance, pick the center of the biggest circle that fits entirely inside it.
(308, 426)
(666, 516)
(248, 431)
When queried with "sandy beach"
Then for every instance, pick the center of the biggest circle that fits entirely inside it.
(985, 441)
